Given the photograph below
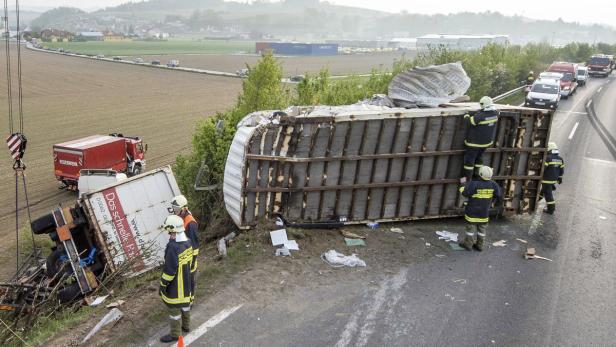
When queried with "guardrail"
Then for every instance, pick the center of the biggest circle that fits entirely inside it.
(509, 93)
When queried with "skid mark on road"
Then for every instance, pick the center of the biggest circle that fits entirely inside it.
(390, 291)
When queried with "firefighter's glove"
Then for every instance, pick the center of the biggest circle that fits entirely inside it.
(560, 180)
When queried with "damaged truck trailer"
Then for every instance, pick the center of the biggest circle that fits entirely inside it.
(353, 164)
(114, 230)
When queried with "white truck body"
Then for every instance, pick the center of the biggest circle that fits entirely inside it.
(127, 217)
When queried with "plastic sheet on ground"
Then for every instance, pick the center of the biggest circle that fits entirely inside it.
(447, 236)
(429, 86)
(336, 259)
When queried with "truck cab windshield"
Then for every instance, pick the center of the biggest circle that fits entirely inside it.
(599, 61)
(545, 89)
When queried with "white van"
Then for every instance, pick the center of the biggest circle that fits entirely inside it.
(582, 75)
(545, 93)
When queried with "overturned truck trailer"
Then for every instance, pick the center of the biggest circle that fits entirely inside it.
(359, 163)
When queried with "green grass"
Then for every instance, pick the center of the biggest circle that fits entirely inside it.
(134, 48)
(514, 99)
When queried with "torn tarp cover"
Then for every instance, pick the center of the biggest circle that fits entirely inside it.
(429, 86)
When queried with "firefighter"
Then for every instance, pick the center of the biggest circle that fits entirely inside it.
(530, 79)
(175, 285)
(552, 173)
(179, 204)
(480, 193)
(479, 136)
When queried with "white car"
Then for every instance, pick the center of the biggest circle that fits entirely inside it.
(545, 93)
(582, 75)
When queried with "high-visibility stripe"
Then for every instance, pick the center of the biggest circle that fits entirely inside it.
(478, 145)
(554, 163)
(549, 182)
(476, 220)
(489, 121)
(195, 252)
(163, 284)
(482, 196)
(175, 317)
(461, 189)
(470, 234)
(551, 202)
(478, 165)
(167, 300)
(473, 121)
(468, 167)
(166, 277)
(481, 234)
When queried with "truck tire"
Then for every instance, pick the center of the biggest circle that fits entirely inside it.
(69, 293)
(54, 263)
(43, 225)
(137, 170)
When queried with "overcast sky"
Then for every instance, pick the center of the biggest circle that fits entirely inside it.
(596, 11)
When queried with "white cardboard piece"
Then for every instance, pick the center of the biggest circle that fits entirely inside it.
(279, 237)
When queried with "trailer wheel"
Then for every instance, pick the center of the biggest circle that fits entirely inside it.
(137, 170)
(44, 225)
(69, 293)
(55, 263)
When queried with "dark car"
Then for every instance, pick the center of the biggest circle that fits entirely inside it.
(155, 62)
(117, 58)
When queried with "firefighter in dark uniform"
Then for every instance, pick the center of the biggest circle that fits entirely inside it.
(480, 135)
(480, 193)
(553, 171)
(175, 285)
(530, 79)
(179, 204)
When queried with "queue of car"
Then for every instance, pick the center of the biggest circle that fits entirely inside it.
(562, 79)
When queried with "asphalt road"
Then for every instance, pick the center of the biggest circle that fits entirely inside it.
(493, 298)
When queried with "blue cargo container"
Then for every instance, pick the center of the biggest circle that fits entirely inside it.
(291, 48)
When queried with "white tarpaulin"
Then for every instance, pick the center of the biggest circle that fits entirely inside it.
(429, 86)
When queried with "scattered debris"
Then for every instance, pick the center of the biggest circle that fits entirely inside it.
(279, 237)
(501, 243)
(602, 217)
(396, 230)
(291, 245)
(111, 317)
(428, 244)
(116, 304)
(99, 300)
(283, 251)
(459, 280)
(373, 225)
(336, 259)
(279, 222)
(522, 240)
(447, 236)
(354, 242)
(455, 246)
(440, 255)
(531, 254)
(351, 235)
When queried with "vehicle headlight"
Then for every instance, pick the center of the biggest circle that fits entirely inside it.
(567, 88)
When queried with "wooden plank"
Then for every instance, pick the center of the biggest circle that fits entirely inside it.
(338, 143)
(451, 198)
(251, 179)
(436, 192)
(264, 171)
(364, 175)
(315, 173)
(349, 167)
(396, 167)
(381, 168)
(411, 166)
(522, 162)
(288, 150)
(280, 140)
(433, 137)
(298, 174)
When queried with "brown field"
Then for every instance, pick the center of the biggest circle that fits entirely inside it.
(67, 98)
(338, 65)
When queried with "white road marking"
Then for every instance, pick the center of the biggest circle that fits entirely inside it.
(212, 322)
(574, 112)
(601, 161)
(573, 130)
(599, 90)
(589, 102)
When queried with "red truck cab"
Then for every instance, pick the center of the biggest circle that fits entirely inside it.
(601, 65)
(568, 83)
(110, 152)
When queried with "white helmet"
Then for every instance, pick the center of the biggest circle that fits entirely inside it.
(174, 224)
(485, 102)
(531, 72)
(179, 202)
(485, 172)
(552, 146)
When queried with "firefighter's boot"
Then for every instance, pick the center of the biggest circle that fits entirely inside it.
(481, 237)
(467, 242)
(186, 319)
(550, 209)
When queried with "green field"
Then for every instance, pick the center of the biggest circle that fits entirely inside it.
(132, 48)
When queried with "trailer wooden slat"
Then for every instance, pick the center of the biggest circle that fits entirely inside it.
(298, 178)
(381, 168)
(411, 167)
(364, 175)
(315, 173)
(397, 165)
(349, 167)
(332, 178)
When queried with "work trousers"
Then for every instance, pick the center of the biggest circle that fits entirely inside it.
(179, 318)
(547, 192)
(475, 228)
(472, 160)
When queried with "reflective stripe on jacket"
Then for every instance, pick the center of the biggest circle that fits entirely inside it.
(191, 228)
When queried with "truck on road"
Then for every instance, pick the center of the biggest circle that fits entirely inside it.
(600, 65)
(113, 152)
(112, 230)
(568, 83)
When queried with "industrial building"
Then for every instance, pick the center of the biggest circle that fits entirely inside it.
(295, 48)
(460, 42)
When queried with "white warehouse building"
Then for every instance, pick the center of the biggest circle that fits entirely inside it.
(460, 42)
